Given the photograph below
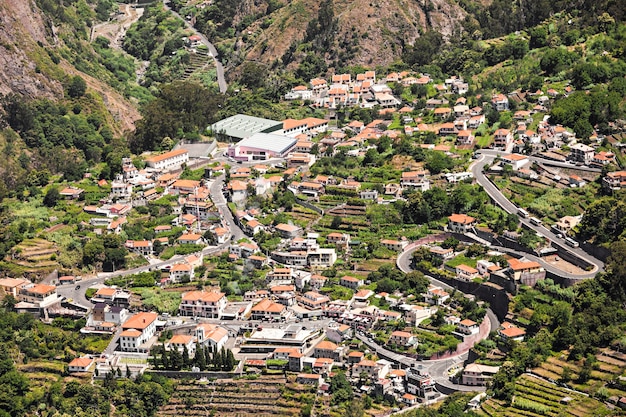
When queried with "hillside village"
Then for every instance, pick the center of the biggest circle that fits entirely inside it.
(298, 317)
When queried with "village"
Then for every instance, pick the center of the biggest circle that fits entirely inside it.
(301, 319)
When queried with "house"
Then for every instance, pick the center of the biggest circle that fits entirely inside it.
(80, 365)
(401, 338)
(614, 180)
(515, 160)
(418, 313)
(12, 286)
(140, 247)
(436, 295)
(466, 273)
(525, 271)
(71, 193)
(477, 374)
(314, 300)
(355, 357)
(288, 231)
(509, 331)
(266, 309)
(500, 102)
(447, 129)
(468, 327)
(582, 153)
(338, 238)
(502, 138)
(41, 295)
(475, 121)
(420, 383)
(461, 223)
(181, 272)
(394, 245)
(603, 158)
(415, 179)
(485, 267)
(566, 223)
(169, 160)
(121, 189)
(441, 253)
(372, 369)
(327, 349)
(182, 342)
(309, 379)
(202, 304)
(191, 238)
(464, 137)
(409, 399)
(350, 282)
(137, 331)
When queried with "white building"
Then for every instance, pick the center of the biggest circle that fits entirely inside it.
(168, 161)
(137, 331)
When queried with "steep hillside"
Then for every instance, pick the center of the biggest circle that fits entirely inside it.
(21, 27)
(363, 32)
(37, 57)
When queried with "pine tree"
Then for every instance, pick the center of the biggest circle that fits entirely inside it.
(200, 359)
(128, 373)
(186, 361)
(164, 358)
(207, 357)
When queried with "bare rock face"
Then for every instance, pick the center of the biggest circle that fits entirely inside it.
(369, 32)
(21, 27)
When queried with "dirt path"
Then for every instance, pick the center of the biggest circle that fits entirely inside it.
(115, 29)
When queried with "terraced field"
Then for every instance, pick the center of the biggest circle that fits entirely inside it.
(536, 397)
(263, 397)
(35, 257)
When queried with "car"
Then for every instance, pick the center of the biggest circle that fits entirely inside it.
(77, 287)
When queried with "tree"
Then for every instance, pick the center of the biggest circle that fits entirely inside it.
(52, 197)
(77, 87)
(336, 223)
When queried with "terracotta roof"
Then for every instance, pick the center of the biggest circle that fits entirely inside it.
(41, 289)
(140, 321)
(468, 322)
(461, 218)
(81, 362)
(181, 339)
(518, 265)
(166, 155)
(207, 296)
(326, 345)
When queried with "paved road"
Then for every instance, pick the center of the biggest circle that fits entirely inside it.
(487, 157)
(221, 81)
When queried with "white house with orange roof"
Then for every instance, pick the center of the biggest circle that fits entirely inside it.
(526, 271)
(180, 342)
(350, 282)
(371, 368)
(267, 309)
(191, 238)
(202, 304)
(461, 223)
(80, 365)
(436, 295)
(416, 180)
(394, 245)
(137, 331)
(41, 295)
(140, 247)
(468, 327)
(466, 272)
(500, 102)
(502, 138)
(401, 338)
(180, 271)
(12, 286)
(509, 331)
(515, 160)
(212, 336)
(169, 160)
(328, 349)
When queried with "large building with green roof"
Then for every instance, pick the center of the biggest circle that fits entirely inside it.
(240, 126)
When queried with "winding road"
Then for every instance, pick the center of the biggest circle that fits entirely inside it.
(221, 80)
(487, 157)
